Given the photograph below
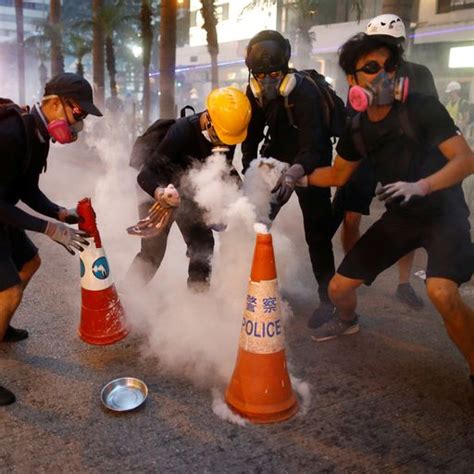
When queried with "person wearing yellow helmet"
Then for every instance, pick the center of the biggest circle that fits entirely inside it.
(163, 155)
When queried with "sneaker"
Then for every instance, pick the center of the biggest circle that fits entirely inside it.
(14, 335)
(322, 314)
(6, 397)
(406, 294)
(336, 327)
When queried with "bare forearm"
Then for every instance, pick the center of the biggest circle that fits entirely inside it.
(323, 177)
(452, 173)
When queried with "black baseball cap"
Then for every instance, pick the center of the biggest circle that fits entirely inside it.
(73, 86)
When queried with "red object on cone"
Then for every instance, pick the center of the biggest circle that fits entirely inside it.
(260, 388)
(102, 313)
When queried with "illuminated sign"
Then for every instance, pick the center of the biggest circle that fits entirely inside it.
(461, 57)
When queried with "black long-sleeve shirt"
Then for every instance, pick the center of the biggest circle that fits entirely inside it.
(306, 142)
(20, 171)
(182, 145)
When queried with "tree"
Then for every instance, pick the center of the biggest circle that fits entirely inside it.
(147, 40)
(98, 64)
(208, 11)
(20, 50)
(106, 22)
(39, 45)
(306, 15)
(57, 59)
(167, 58)
(78, 46)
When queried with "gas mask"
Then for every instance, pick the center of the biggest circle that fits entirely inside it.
(382, 91)
(62, 132)
(269, 86)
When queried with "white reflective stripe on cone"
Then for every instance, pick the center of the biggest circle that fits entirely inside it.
(95, 269)
(262, 326)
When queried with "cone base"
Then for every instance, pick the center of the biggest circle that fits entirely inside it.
(103, 340)
(260, 419)
(260, 389)
(101, 317)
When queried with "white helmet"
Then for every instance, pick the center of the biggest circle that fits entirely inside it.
(387, 25)
(453, 86)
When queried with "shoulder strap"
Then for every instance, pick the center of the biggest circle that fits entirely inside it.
(406, 124)
(357, 136)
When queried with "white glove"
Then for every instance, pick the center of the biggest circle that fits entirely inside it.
(68, 237)
(403, 191)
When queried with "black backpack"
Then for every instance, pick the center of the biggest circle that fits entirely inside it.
(146, 143)
(334, 109)
(9, 108)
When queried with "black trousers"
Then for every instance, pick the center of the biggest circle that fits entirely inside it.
(315, 204)
(196, 234)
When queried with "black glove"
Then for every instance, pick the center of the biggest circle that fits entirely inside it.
(69, 216)
(286, 184)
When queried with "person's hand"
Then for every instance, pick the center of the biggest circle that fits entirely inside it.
(160, 214)
(68, 237)
(287, 182)
(403, 191)
(167, 197)
(69, 216)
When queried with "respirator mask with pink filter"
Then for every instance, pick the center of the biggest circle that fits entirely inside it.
(382, 91)
(63, 132)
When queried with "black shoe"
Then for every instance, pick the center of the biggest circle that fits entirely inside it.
(406, 294)
(6, 397)
(322, 314)
(14, 335)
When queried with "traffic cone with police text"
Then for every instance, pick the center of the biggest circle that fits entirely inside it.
(260, 389)
(101, 313)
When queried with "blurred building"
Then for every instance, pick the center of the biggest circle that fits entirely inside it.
(441, 35)
(32, 10)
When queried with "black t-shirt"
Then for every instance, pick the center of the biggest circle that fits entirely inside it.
(306, 142)
(20, 172)
(182, 146)
(397, 157)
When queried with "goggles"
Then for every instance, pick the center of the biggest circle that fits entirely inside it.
(373, 67)
(211, 131)
(77, 112)
(274, 75)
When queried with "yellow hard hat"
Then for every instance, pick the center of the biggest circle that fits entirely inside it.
(230, 113)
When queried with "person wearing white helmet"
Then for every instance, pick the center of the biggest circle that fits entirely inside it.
(457, 107)
(353, 200)
(421, 178)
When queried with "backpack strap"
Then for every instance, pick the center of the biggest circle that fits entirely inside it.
(357, 136)
(182, 112)
(406, 125)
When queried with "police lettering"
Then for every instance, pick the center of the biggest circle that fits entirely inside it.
(260, 328)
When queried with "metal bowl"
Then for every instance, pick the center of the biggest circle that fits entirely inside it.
(124, 394)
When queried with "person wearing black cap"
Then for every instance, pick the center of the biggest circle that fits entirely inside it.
(24, 147)
(291, 107)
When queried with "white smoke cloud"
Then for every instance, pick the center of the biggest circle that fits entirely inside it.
(192, 335)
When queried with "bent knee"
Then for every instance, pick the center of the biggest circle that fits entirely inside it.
(442, 292)
(340, 285)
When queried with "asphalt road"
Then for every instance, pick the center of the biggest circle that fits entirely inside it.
(393, 398)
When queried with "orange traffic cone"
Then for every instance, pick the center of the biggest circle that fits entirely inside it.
(101, 313)
(260, 388)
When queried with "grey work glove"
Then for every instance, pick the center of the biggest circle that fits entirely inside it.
(286, 184)
(68, 237)
(69, 216)
(403, 191)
